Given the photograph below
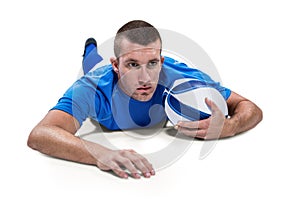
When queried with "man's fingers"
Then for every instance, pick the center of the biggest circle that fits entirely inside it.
(143, 164)
(118, 171)
(111, 165)
(139, 163)
(201, 124)
(213, 107)
(199, 133)
(123, 161)
(127, 163)
(209, 128)
(194, 128)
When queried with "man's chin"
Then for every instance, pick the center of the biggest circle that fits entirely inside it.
(142, 96)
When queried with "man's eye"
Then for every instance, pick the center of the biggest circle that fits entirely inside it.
(152, 63)
(133, 65)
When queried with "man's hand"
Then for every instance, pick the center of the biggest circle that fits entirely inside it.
(209, 128)
(120, 160)
(54, 136)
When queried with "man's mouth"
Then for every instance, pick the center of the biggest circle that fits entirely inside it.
(144, 89)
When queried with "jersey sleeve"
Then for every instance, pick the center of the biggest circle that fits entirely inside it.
(80, 101)
(173, 70)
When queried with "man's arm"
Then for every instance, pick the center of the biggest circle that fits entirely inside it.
(55, 136)
(243, 113)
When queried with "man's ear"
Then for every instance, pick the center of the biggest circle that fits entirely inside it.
(162, 59)
(115, 64)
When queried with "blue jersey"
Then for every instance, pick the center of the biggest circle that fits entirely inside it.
(96, 95)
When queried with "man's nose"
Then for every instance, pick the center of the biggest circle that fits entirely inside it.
(144, 76)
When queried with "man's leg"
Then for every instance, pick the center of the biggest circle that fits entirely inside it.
(90, 55)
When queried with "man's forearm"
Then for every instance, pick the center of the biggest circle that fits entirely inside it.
(245, 116)
(57, 142)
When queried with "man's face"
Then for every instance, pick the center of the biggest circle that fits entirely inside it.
(138, 69)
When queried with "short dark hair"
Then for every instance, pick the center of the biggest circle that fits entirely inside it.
(136, 31)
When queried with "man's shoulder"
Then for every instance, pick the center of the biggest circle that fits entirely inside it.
(100, 74)
(179, 65)
(104, 70)
(178, 68)
(101, 78)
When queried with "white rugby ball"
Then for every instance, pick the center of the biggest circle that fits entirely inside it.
(185, 101)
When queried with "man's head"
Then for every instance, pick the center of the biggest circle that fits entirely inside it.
(136, 31)
(138, 60)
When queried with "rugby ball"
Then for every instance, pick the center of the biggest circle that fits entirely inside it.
(185, 100)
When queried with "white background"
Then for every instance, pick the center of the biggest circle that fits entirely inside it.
(255, 46)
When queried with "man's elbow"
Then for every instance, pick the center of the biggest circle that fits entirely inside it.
(259, 114)
(34, 138)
